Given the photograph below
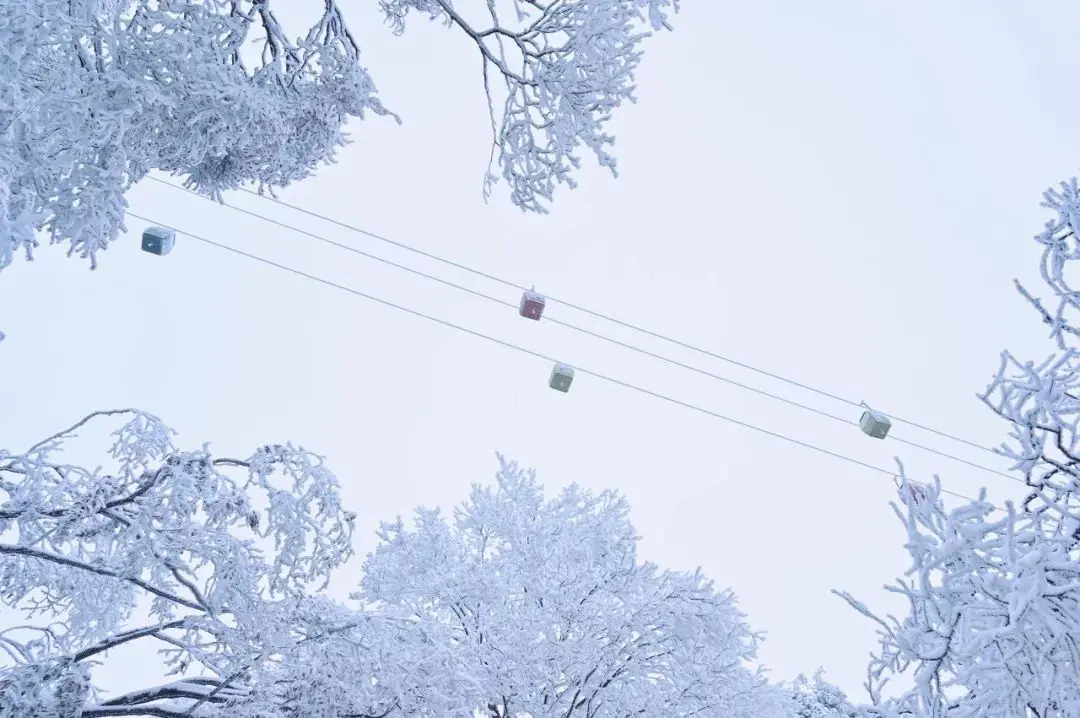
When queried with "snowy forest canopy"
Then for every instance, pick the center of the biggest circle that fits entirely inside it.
(95, 94)
(517, 605)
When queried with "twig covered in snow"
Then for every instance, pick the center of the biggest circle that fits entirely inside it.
(96, 94)
(993, 628)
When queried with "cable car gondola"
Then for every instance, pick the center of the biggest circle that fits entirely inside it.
(561, 378)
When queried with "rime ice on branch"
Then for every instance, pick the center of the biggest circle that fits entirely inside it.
(994, 623)
(95, 95)
(549, 612)
(228, 552)
(519, 606)
(92, 98)
(561, 69)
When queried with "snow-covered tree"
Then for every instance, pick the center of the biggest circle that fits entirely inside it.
(95, 94)
(994, 624)
(819, 699)
(552, 614)
(213, 558)
(520, 606)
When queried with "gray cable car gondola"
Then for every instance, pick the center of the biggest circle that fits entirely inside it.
(874, 424)
(561, 378)
(158, 240)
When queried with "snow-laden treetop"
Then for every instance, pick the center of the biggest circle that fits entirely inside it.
(94, 94)
(518, 605)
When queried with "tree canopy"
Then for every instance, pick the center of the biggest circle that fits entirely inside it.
(994, 594)
(95, 94)
(520, 605)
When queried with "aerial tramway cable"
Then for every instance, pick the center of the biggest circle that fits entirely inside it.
(510, 345)
(597, 335)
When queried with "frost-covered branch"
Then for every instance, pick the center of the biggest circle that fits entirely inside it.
(520, 606)
(44, 556)
(125, 637)
(143, 702)
(993, 627)
(566, 66)
(545, 610)
(96, 94)
(82, 550)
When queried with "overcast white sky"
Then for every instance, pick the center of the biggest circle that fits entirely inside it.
(837, 192)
